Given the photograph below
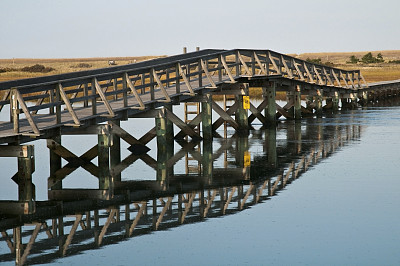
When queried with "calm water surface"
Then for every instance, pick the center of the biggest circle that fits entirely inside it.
(344, 210)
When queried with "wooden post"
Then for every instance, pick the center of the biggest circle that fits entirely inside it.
(290, 99)
(94, 96)
(344, 103)
(17, 237)
(85, 94)
(124, 88)
(241, 114)
(169, 126)
(55, 162)
(178, 79)
(25, 169)
(298, 136)
(297, 103)
(200, 69)
(335, 102)
(104, 141)
(151, 86)
(318, 103)
(270, 136)
(14, 110)
(162, 172)
(270, 111)
(58, 104)
(207, 160)
(161, 131)
(242, 151)
(51, 100)
(115, 88)
(115, 151)
(237, 64)
(220, 68)
(353, 98)
(365, 97)
(206, 117)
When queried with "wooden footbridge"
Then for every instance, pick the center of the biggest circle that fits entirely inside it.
(65, 228)
(95, 101)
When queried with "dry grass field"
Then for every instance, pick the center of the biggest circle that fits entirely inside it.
(61, 65)
(371, 72)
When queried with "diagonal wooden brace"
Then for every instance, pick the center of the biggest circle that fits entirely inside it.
(195, 122)
(83, 161)
(225, 116)
(135, 144)
(182, 125)
(256, 112)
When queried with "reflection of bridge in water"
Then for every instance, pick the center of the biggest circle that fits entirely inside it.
(63, 226)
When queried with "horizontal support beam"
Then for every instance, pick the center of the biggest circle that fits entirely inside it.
(21, 151)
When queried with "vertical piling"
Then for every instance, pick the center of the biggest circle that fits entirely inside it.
(104, 143)
(318, 102)
(115, 151)
(206, 117)
(169, 126)
(270, 135)
(207, 160)
(270, 111)
(297, 102)
(242, 154)
(14, 110)
(164, 139)
(17, 237)
(162, 144)
(335, 102)
(161, 131)
(25, 169)
(241, 115)
(55, 162)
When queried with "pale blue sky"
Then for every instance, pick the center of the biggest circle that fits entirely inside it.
(92, 28)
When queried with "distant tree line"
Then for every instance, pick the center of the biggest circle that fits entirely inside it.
(319, 61)
(32, 69)
(366, 59)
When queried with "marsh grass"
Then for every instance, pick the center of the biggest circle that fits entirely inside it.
(61, 65)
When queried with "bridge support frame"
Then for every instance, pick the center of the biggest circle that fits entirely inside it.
(241, 114)
(335, 102)
(318, 102)
(115, 151)
(270, 111)
(206, 117)
(23, 178)
(104, 144)
(297, 102)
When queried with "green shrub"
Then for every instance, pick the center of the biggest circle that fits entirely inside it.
(37, 69)
(353, 60)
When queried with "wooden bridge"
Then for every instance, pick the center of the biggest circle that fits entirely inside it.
(46, 106)
(95, 101)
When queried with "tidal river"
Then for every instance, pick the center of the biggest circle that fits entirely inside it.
(321, 191)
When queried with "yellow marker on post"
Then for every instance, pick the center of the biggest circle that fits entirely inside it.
(246, 102)
(246, 159)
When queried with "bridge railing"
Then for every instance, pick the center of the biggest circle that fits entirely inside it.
(154, 81)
